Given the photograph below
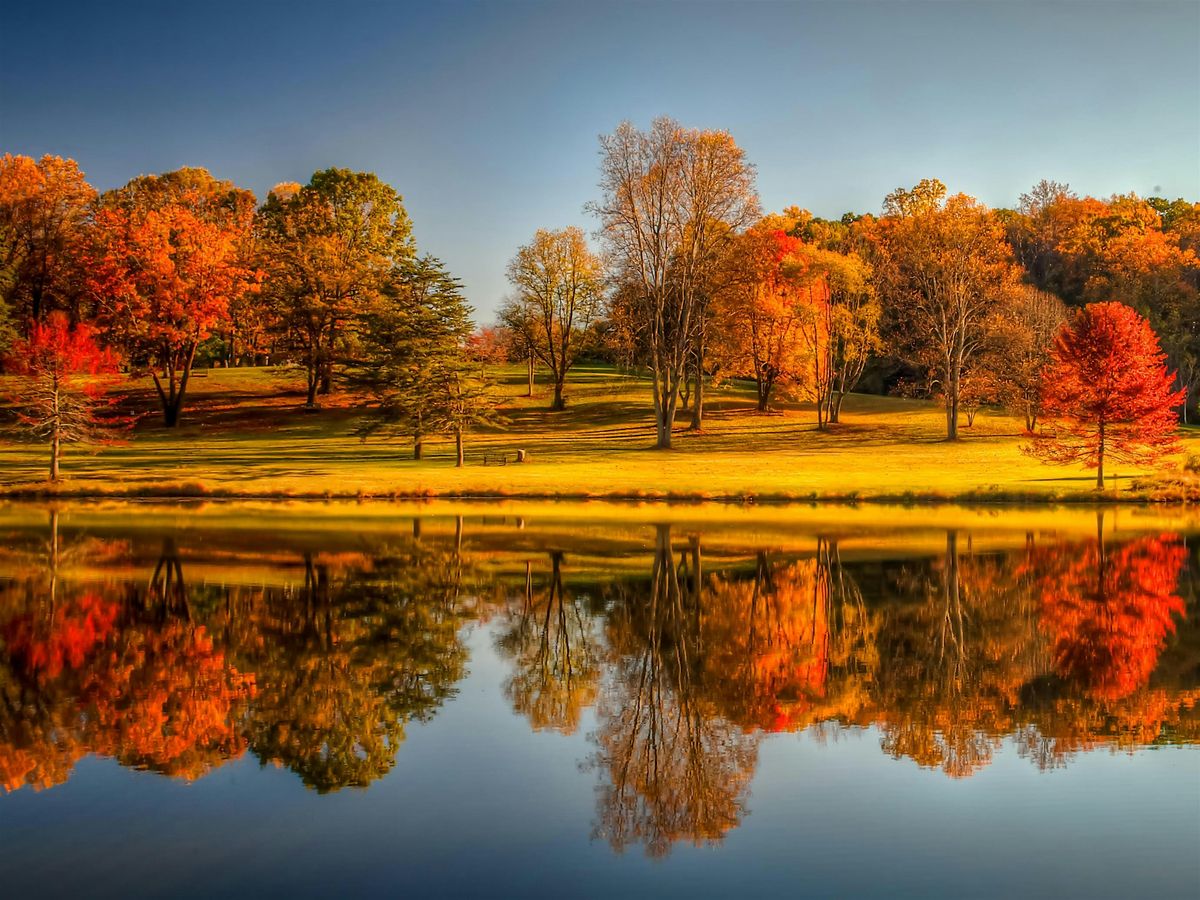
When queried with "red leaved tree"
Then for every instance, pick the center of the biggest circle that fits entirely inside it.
(1107, 393)
(165, 278)
(1110, 610)
(62, 385)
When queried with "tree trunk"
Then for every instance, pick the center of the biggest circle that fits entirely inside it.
(171, 416)
(698, 400)
(835, 407)
(529, 391)
(558, 403)
(458, 447)
(172, 395)
(1100, 461)
(951, 388)
(763, 388)
(417, 445)
(54, 453)
(310, 401)
(666, 396)
(663, 420)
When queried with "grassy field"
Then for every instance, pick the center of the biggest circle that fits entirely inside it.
(245, 433)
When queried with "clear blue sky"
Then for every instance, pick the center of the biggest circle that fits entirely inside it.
(485, 116)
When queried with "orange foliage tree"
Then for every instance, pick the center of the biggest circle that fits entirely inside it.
(165, 263)
(43, 209)
(758, 313)
(1108, 392)
(947, 273)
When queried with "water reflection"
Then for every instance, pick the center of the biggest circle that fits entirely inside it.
(677, 652)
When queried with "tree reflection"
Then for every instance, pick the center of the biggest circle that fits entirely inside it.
(554, 647)
(671, 767)
(956, 646)
(96, 672)
(685, 658)
(1109, 611)
(789, 646)
(320, 679)
(346, 662)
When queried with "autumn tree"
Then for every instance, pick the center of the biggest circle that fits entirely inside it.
(1012, 367)
(1108, 393)
(946, 272)
(840, 323)
(672, 200)
(329, 249)
(558, 287)
(489, 345)
(62, 379)
(166, 259)
(413, 359)
(759, 310)
(1088, 250)
(44, 206)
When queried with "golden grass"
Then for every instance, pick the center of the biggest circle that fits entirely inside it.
(245, 435)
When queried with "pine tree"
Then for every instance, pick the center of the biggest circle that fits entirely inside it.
(413, 359)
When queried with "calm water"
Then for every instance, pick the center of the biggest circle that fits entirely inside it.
(320, 701)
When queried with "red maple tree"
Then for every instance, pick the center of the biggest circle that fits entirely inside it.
(165, 278)
(62, 385)
(1107, 393)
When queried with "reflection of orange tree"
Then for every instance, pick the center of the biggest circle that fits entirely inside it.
(555, 653)
(671, 768)
(790, 646)
(48, 638)
(768, 642)
(343, 667)
(163, 697)
(954, 653)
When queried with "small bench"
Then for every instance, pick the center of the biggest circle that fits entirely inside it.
(500, 457)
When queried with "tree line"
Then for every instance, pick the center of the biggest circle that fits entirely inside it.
(937, 296)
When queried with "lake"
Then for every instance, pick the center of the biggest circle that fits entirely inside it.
(595, 700)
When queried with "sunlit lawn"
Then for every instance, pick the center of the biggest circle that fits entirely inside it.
(245, 432)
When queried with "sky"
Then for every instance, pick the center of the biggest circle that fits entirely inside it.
(486, 116)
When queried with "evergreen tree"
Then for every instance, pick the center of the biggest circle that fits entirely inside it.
(413, 359)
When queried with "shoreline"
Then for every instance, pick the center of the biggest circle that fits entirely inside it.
(974, 498)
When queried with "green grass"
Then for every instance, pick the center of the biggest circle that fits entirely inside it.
(245, 434)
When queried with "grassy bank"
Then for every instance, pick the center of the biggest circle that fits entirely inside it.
(245, 434)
